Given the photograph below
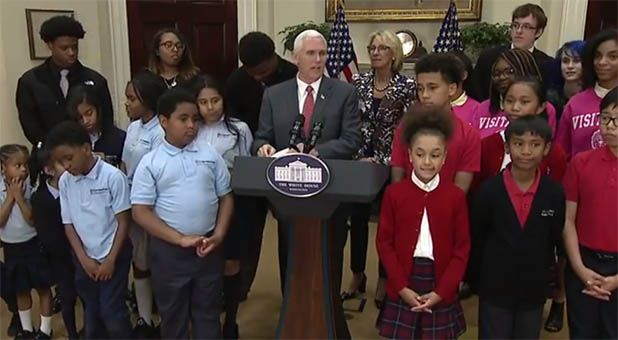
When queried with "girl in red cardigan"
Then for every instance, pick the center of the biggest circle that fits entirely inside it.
(423, 239)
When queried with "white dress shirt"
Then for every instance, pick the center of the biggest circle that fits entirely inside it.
(424, 244)
(302, 92)
(507, 156)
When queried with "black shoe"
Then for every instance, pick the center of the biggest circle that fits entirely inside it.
(555, 318)
(42, 336)
(362, 286)
(14, 326)
(230, 331)
(56, 304)
(142, 330)
(24, 335)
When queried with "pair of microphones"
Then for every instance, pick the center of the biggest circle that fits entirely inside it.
(296, 136)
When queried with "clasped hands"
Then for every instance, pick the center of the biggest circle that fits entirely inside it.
(203, 245)
(598, 286)
(420, 303)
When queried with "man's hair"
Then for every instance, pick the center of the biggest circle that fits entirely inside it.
(255, 48)
(61, 26)
(421, 119)
(448, 65)
(171, 98)
(610, 99)
(531, 9)
(67, 133)
(534, 125)
(590, 76)
(307, 34)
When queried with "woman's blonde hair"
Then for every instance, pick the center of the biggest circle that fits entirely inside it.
(390, 39)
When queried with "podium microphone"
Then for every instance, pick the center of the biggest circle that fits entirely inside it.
(297, 127)
(316, 132)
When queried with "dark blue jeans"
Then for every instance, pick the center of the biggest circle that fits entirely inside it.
(105, 311)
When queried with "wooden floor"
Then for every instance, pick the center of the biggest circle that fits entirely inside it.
(258, 315)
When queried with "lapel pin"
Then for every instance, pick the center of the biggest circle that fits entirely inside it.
(322, 97)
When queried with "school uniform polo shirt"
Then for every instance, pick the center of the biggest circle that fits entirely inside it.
(225, 142)
(16, 229)
(183, 185)
(591, 182)
(141, 139)
(521, 200)
(91, 202)
(463, 151)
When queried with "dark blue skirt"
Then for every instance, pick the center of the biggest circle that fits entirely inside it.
(26, 267)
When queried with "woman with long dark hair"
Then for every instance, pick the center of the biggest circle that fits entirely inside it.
(171, 59)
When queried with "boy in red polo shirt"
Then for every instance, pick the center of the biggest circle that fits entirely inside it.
(517, 218)
(437, 77)
(591, 233)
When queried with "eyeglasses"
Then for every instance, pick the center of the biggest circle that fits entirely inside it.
(506, 73)
(169, 45)
(380, 48)
(604, 119)
(526, 27)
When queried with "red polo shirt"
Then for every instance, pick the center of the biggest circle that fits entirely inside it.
(521, 200)
(591, 182)
(463, 151)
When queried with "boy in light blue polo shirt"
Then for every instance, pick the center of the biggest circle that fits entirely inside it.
(94, 204)
(181, 195)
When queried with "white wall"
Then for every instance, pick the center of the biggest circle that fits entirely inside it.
(15, 57)
(274, 15)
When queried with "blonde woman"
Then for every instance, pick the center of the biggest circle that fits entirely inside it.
(384, 96)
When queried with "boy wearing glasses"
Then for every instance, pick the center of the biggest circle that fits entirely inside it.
(591, 233)
(527, 25)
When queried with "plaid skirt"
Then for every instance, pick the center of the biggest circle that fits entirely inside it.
(397, 321)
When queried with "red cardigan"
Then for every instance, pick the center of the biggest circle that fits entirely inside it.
(492, 155)
(399, 228)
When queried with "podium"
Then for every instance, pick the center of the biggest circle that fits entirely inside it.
(311, 305)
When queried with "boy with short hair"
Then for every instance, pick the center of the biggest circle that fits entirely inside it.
(94, 204)
(591, 233)
(517, 219)
(438, 76)
(181, 195)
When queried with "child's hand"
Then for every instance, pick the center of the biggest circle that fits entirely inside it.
(610, 283)
(17, 187)
(409, 296)
(106, 270)
(590, 278)
(428, 301)
(91, 267)
(190, 241)
(208, 245)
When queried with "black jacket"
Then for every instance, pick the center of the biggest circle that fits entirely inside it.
(244, 94)
(482, 72)
(515, 261)
(40, 102)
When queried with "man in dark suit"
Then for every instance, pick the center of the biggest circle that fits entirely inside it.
(318, 99)
(42, 90)
(244, 89)
(527, 25)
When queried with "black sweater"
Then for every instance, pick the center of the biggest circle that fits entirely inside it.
(47, 220)
(515, 260)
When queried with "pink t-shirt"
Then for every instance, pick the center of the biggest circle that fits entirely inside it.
(579, 124)
(488, 123)
(465, 111)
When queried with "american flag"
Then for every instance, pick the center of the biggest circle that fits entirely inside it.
(449, 38)
(341, 61)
